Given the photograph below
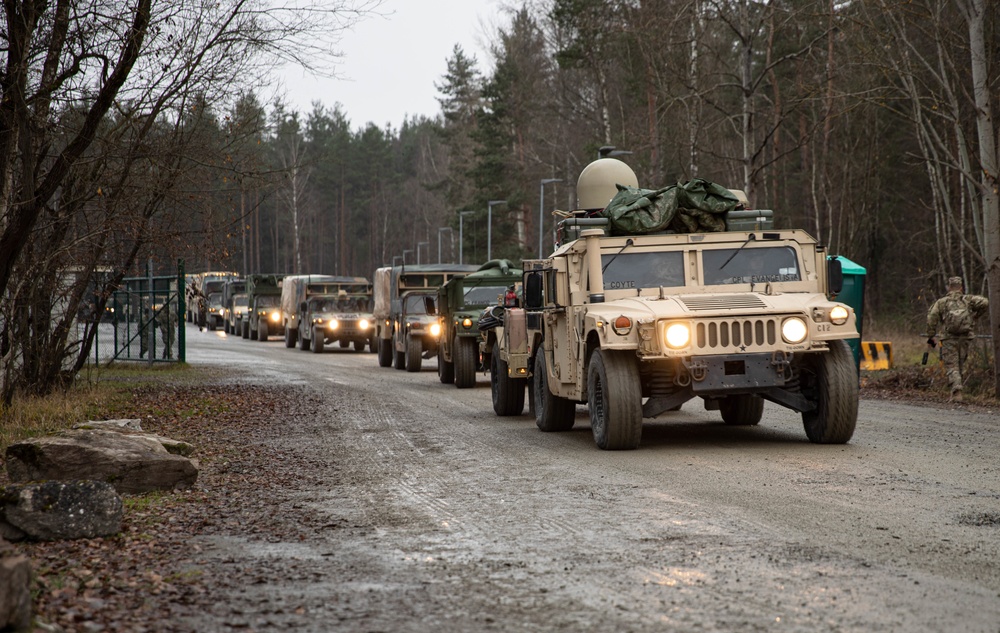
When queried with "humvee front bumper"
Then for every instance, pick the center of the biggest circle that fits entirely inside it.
(736, 373)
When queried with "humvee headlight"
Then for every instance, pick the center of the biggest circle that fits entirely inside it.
(333, 324)
(275, 316)
(678, 335)
(363, 324)
(838, 315)
(622, 325)
(436, 329)
(466, 322)
(794, 330)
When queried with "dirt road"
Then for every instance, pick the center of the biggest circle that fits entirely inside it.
(409, 506)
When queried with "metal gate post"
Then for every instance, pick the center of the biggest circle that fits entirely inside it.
(181, 312)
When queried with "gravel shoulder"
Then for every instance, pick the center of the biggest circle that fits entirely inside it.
(335, 495)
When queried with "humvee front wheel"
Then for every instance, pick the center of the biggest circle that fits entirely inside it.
(742, 410)
(318, 341)
(359, 346)
(508, 393)
(384, 352)
(290, 336)
(304, 342)
(414, 348)
(830, 380)
(262, 331)
(615, 400)
(552, 413)
(465, 351)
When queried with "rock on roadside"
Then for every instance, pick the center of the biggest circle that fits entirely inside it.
(131, 463)
(56, 510)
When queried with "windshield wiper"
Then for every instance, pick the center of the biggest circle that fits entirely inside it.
(750, 238)
(628, 243)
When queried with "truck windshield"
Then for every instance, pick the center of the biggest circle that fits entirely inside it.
(268, 301)
(414, 304)
(750, 265)
(484, 295)
(643, 270)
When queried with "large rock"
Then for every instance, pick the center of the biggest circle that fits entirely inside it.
(133, 426)
(57, 510)
(131, 463)
(15, 590)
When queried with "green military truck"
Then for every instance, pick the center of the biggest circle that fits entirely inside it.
(263, 306)
(634, 316)
(405, 321)
(343, 318)
(461, 301)
(296, 291)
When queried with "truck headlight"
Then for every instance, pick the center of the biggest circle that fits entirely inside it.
(275, 316)
(794, 330)
(466, 322)
(436, 329)
(838, 315)
(333, 324)
(363, 324)
(677, 335)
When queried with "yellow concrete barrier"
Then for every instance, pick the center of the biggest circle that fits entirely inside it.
(876, 355)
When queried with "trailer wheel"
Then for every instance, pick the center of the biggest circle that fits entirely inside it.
(830, 379)
(344, 343)
(398, 358)
(414, 348)
(508, 393)
(466, 355)
(384, 352)
(446, 370)
(317, 341)
(552, 413)
(615, 400)
(290, 336)
(262, 331)
(742, 410)
(359, 346)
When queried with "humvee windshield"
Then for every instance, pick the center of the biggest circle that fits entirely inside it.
(642, 270)
(483, 295)
(239, 301)
(215, 300)
(750, 265)
(414, 304)
(268, 301)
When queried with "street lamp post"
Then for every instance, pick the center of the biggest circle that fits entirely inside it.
(440, 231)
(541, 211)
(396, 258)
(428, 245)
(409, 250)
(489, 227)
(461, 234)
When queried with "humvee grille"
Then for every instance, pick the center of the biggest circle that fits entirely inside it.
(723, 302)
(734, 334)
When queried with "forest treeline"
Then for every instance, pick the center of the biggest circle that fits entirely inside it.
(866, 122)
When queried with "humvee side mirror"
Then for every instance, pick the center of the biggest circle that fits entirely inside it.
(429, 305)
(834, 276)
(533, 299)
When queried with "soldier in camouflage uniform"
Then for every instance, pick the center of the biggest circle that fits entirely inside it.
(955, 315)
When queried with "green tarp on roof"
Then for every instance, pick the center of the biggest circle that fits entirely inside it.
(695, 206)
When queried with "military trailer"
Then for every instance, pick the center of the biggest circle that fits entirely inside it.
(263, 306)
(345, 319)
(634, 322)
(460, 303)
(297, 289)
(405, 321)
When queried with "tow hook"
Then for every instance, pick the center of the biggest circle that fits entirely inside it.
(698, 370)
(782, 366)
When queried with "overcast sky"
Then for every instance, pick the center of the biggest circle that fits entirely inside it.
(391, 63)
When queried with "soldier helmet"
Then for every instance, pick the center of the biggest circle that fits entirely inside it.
(596, 186)
(954, 282)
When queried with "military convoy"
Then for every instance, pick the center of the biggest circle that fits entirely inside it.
(296, 292)
(406, 323)
(263, 314)
(461, 302)
(635, 325)
(343, 317)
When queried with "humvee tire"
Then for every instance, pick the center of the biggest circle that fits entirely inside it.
(253, 334)
(359, 346)
(552, 413)
(831, 380)
(343, 343)
(742, 410)
(508, 393)
(372, 344)
(398, 358)
(384, 352)
(465, 353)
(615, 400)
(317, 342)
(414, 348)
(262, 331)
(446, 370)
(304, 342)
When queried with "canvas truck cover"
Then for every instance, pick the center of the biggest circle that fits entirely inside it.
(383, 292)
(696, 206)
(295, 288)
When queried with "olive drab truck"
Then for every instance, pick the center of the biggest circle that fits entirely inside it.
(263, 316)
(634, 315)
(405, 312)
(233, 301)
(461, 301)
(200, 299)
(343, 317)
(296, 290)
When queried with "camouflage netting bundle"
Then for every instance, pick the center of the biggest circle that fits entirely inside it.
(696, 206)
